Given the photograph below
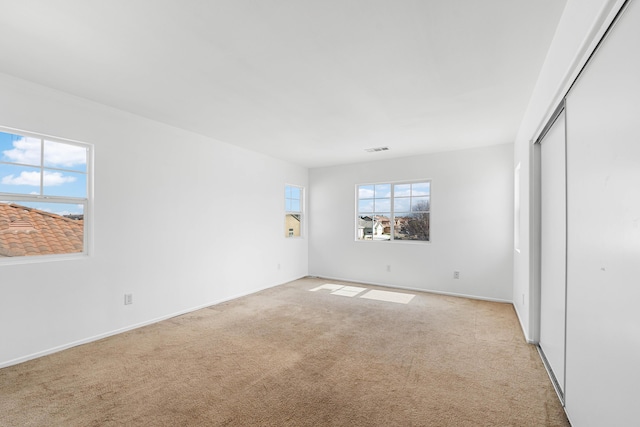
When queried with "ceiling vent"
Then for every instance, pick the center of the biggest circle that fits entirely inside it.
(373, 150)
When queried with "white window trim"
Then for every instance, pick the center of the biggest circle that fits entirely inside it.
(393, 241)
(87, 244)
(516, 209)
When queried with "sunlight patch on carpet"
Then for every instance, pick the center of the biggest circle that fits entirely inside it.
(342, 290)
(348, 291)
(352, 291)
(345, 291)
(398, 297)
(327, 286)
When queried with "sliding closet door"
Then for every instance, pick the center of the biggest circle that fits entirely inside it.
(603, 182)
(553, 222)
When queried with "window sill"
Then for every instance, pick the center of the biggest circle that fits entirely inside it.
(36, 259)
(396, 242)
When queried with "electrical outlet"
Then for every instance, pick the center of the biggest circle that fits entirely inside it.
(128, 299)
(456, 274)
(278, 266)
(388, 268)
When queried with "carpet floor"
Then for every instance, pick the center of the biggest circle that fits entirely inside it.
(290, 357)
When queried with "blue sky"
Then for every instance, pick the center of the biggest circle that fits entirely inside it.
(65, 167)
(376, 198)
(292, 198)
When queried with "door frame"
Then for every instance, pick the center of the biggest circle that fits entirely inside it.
(536, 245)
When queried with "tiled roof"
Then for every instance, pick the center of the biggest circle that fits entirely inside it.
(28, 231)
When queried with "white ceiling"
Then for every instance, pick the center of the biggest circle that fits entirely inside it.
(314, 82)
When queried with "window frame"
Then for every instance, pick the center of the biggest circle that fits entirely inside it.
(300, 213)
(516, 209)
(392, 213)
(86, 202)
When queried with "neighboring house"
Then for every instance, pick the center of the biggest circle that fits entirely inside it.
(292, 226)
(365, 227)
(400, 225)
(378, 229)
(383, 225)
(373, 228)
(26, 231)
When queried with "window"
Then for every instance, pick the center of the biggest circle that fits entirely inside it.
(393, 211)
(44, 186)
(293, 204)
(516, 210)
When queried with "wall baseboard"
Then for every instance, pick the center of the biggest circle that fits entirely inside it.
(72, 344)
(524, 331)
(431, 291)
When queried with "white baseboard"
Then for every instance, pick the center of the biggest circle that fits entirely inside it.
(524, 330)
(431, 291)
(131, 327)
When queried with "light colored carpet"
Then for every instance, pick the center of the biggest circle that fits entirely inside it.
(290, 357)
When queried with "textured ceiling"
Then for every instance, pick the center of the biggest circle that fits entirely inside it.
(312, 82)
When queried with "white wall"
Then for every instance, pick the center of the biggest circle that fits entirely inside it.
(580, 27)
(471, 224)
(181, 221)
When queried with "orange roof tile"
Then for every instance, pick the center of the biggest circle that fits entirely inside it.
(29, 231)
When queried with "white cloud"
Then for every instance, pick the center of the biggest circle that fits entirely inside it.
(63, 155)
(365, 193)
(25, 178)
(51, 179)
(27, 151)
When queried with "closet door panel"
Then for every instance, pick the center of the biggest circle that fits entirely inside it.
(553, 256)
(603, 182)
